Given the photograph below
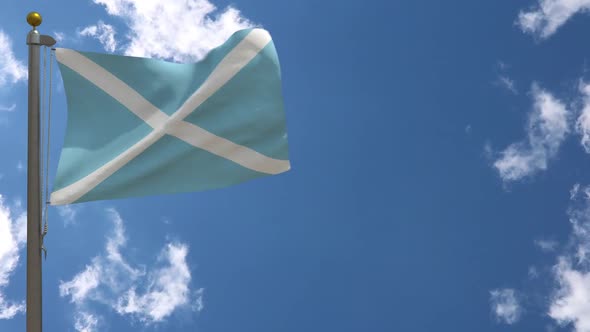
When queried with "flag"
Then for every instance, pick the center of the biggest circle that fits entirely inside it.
(139, 126)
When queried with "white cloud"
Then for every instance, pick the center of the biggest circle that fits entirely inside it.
(548, 15)
(199, 305)
(105, 34)
(570, 302)
(503, 65)
(13, 236)
(86, 322)
(546, 130)
(19, 166)
(546, 245)
(9, 310)
(507, 83)
(114, 257)
(81, 285)
(148, 295)
(11, 69)
(583, 122)
(182, 31)
(68, 213)
(505, 305)
(109, 270)
(167, 288)
(59, 36)
(574, 191)
(10, 108)
(580, 220)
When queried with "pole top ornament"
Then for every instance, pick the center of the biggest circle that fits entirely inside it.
(34, 19)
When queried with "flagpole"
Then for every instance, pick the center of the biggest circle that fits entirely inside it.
(34, 284)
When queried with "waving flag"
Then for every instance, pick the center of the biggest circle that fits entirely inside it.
(141, 126)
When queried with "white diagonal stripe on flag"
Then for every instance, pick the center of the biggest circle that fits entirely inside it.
(113, 86)
(173, 125)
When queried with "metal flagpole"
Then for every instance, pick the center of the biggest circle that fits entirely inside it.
(34, 304)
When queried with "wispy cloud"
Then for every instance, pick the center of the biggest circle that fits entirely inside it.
(59, 36)
(583, 122)
(569, 302)
(198, 304)
(507, 83)
(75, 38)
(503, 65)
(505, 305)
(546, 130)
(167, 289)
(86, 322)
(546, 245)
(547, 16)
(503, 80)
(149, 295)
(68, 213)
(10, 108)
(574, 191)
(13, 236)
(167, 35)
(105, 34)
(82, 284)
(11, 69)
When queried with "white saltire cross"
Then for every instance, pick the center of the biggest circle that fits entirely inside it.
(173, 125)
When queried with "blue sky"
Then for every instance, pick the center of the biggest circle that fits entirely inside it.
(438, 154)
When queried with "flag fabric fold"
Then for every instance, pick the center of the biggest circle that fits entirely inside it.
(140, 126)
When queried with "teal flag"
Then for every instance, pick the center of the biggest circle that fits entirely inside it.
(141, 126)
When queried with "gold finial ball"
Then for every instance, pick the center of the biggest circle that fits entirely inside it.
(34, 19)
